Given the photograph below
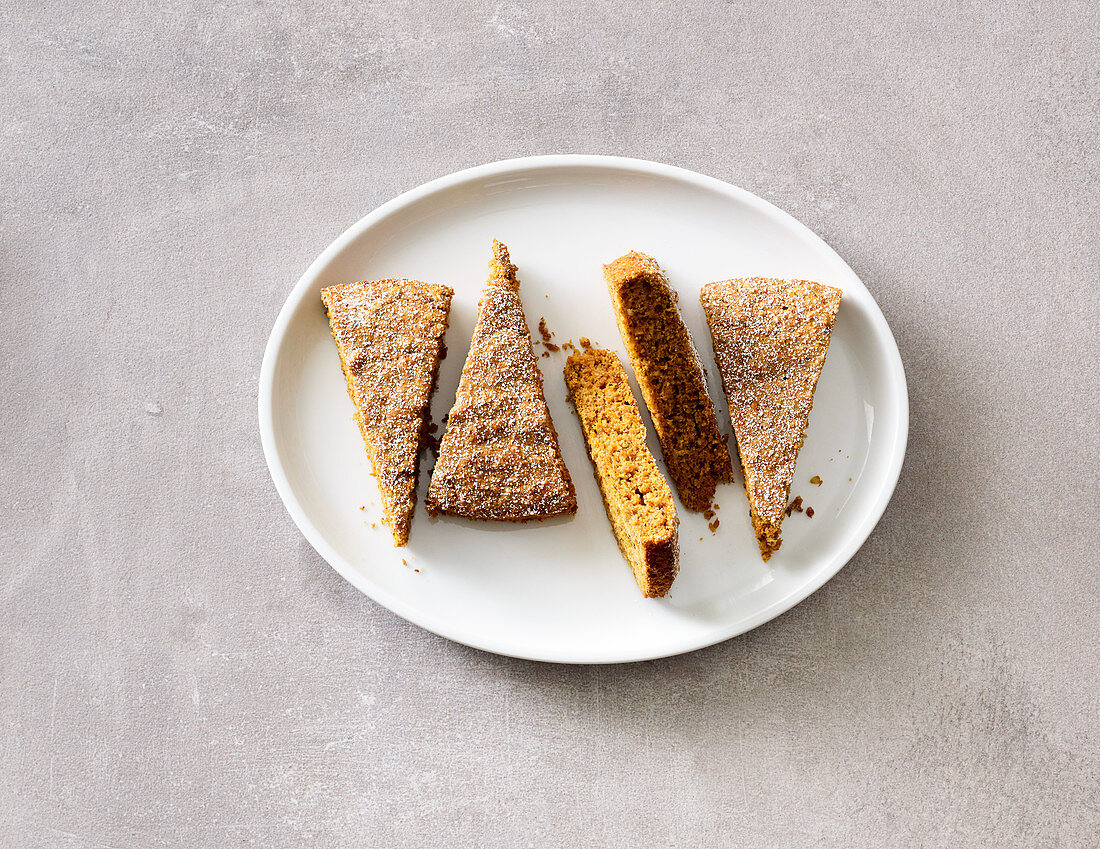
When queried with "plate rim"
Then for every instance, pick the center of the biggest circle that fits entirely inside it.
(458, 633)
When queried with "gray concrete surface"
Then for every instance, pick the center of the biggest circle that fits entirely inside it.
(180, 669)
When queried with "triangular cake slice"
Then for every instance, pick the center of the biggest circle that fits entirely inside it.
(770, 340)
(670, 375)
(637, 499)
(390, 337)
(500, 458)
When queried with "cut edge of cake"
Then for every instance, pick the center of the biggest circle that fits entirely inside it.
(632, 487)
(770, 338)
(673, 384)
(389, 334)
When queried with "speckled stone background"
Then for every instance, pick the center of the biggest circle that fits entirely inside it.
(180, 669)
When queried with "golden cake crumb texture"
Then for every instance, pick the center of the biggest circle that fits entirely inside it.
(670, 375)
(637, 499)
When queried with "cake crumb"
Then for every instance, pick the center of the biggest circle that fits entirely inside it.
(585, 343)
(795, 506)
(547, 334)
(809, 512)
(816, 480)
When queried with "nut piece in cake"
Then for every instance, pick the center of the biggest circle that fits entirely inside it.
(637, 499)
(390, 335)
(671, 378)
(770, 340)
(499, 458)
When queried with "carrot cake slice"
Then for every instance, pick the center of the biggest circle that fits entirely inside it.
(770, 340)
(390, 337)
(671, 377)
(499, 458)
(635, 495)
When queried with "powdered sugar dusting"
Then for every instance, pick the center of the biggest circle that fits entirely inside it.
(500, 457)
(770, 340)
(390, 337)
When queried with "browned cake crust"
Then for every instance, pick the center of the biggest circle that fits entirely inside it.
(770, 340)
(637, 499)
(390, 336)
(500, 458)
(671, 378)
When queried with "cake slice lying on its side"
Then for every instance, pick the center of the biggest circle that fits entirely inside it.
(638, 501)
(770, 340)
(390, 337)
(500, 458)
(671, 378)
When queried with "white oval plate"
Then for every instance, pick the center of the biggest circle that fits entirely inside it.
(560, 590)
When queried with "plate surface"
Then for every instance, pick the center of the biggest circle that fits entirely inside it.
(560, 590)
